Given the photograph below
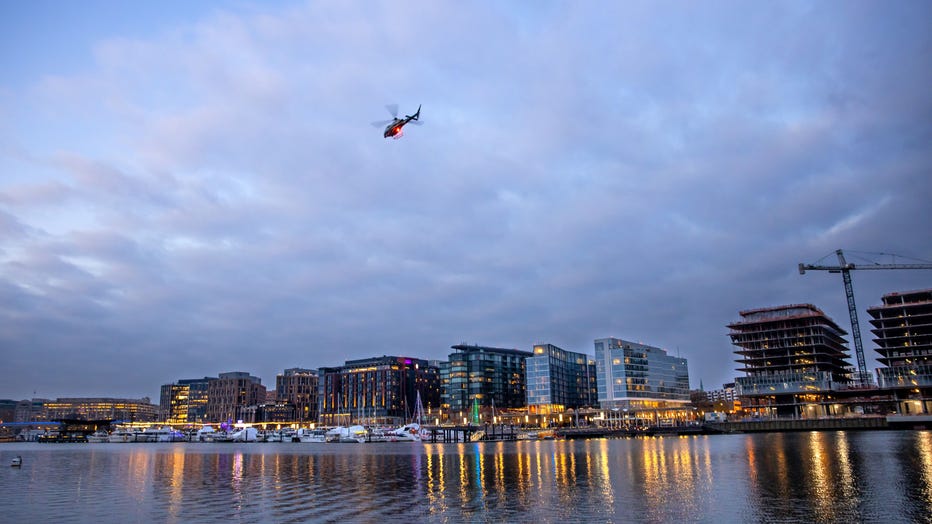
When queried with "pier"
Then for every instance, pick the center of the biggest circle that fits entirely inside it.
(486, 432)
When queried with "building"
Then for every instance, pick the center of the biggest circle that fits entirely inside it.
(31, 410)
(902, 326)
(185, 401)
(102, 408)
(230, 393)
(792, 356)
(640, 379)
(379, 390)
(8, 410)
(483, 377)
(298, 387)
(558, 380)
(725, 394)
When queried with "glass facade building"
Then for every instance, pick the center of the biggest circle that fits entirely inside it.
(558, 380)
(486, 377)
(185, 401)
(637, 376)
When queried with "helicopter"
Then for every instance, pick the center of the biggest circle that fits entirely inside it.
(393, 129)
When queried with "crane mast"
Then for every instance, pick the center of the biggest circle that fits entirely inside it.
(844, 267)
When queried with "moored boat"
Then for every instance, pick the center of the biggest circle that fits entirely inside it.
(311, 435)
(98, 437)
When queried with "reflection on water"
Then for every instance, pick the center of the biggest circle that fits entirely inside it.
(801, 477)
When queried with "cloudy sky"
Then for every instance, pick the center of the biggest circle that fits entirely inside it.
(191, 188)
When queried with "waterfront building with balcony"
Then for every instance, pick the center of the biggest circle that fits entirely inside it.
(558, 380)
(902, 327)
(378, 390)
(726, 394)
(300, 388)
(641, 380)
(229, 394)
(794, 358)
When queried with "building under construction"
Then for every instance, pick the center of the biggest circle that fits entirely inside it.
(794, 358)
(902, 326)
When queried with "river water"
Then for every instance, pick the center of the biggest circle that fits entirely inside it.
(869, 476)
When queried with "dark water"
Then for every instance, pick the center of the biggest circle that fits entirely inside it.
(794, 477)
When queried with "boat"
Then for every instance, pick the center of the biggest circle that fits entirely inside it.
(350, 434)
(245, 435)
(98, 437)
(17, 461)
(205, 434)
(123, 435)
(333, 434)
(408, 433)
(278, 435)
(311, 435)
(163, 434)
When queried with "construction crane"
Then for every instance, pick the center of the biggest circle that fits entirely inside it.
(844, 267)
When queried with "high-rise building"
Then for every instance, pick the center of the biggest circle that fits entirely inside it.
(484, 377)
(298, 387)
(792, 356)
(903, 330)
(227, 395)
(558, 380)
(379, 390)
(185, 401)
(634, 376)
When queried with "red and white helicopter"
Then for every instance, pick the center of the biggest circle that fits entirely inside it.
(393, 129)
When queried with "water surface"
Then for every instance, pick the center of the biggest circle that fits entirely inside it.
(870, 476)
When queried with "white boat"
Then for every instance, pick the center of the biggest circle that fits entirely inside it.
(205, 434)
(280, 435)
(162, 434)
(311, 435)
(352, 434)
(245, 435)
(98, 437)
(408, 433)
(334, 434)
(355, 434)
(17, 461)
(123, 435)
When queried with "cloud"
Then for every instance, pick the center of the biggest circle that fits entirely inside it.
(210, 196)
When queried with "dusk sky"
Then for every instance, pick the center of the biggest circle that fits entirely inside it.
(192, 188)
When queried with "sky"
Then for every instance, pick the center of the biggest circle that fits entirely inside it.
(193, 188)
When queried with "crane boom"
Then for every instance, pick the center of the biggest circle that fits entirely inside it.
(844, 267)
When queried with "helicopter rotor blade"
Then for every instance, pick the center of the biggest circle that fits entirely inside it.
(382, 123)
(393, 109)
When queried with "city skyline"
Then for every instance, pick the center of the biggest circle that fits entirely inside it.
(190, 189)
